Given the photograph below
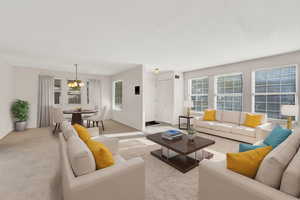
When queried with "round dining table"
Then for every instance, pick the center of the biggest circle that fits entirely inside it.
(77, 115)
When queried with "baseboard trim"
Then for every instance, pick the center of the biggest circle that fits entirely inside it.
(3, 136)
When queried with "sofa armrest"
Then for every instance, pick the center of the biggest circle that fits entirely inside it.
(198, 117)
(263, 130)
(112, 182)
(217, 182)
(111, 143)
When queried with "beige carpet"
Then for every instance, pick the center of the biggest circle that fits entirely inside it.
(29, 167)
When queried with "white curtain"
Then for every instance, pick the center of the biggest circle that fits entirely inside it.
(45, 101)
(95, 93)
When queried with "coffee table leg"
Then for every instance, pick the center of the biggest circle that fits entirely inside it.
(168, 154)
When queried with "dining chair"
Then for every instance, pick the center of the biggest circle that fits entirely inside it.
(58, 118)
(86, 116)
(98, 118)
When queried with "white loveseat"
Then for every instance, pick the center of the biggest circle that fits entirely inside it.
(229, 124)
(278, 177)
(111, 183)
(217, 182)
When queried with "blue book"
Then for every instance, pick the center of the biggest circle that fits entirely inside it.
(173, 132)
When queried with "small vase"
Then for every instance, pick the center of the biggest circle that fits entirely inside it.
(191, 137)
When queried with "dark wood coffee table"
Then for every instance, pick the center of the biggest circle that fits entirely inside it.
(183, 147)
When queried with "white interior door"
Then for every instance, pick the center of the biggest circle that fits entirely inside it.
(164, 101)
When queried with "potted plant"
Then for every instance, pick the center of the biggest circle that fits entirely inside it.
(20, 110)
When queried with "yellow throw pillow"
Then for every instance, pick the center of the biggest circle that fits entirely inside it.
(247, 163)
(102, 155)
(210, 115)
(253, 120)
(82, 132)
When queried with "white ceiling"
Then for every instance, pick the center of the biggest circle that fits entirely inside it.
(106, 36)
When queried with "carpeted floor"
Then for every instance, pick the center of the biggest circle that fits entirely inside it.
(29, 166)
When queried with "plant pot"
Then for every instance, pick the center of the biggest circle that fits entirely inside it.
(20, 126)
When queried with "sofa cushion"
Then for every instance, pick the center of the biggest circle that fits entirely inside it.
(204, 124)
(243, 117)
(215, 125)
(219, 114)
(277, 136)
(247, 147)
(102, 155)
(231, 117)
(274, 164)
(209, 115)
(247, 163)
(81, 158)
(82, 132)
(244, 130)
(253, 120)
(290, 181)
(68, 130)
(221, 126)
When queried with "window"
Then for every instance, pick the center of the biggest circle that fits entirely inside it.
(74, 95)
(273, 88)
(117, 95)
(229, 92)
(57, 91)
(88, 92)
(199, 93)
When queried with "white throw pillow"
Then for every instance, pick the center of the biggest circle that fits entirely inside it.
(231, 116)
(68, 130)
(274, 164)
(290, 182)
(219, 114)
(81, 158)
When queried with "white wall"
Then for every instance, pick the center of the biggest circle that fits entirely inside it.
(178, 97)
(169, 97)
(26, 88)
(7, 97)
(150, 96)
(246, 67)
(132, 113)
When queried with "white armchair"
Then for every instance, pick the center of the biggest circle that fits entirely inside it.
(124, 180)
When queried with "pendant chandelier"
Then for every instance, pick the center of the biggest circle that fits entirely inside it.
(75, 84)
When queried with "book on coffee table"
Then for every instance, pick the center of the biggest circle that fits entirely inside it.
(172, 134)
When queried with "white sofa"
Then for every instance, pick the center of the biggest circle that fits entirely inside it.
(111, 183)
(278, 177)
(229, 124)
(217, 182)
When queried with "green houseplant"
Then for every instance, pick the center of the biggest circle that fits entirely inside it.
(20, 111)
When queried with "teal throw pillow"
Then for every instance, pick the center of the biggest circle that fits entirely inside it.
(248, 147)
(277, 136)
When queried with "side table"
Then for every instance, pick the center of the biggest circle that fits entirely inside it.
(188, 122)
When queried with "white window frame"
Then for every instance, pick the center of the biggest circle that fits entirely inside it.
(61, 91)
(278, 93)
(65, 89)
(190, 90)
(113, 96)
(216, 88)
